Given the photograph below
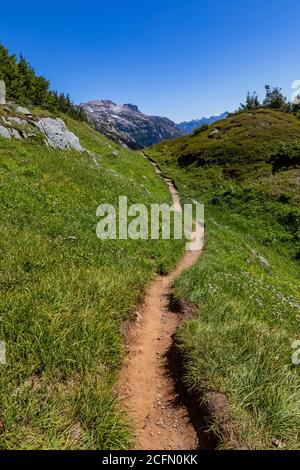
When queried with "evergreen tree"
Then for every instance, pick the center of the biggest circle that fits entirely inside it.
(41, 92)
(24, 86)
(27, 79)
(274, 99)
(252, 101)
(295, 106)
(9, 73)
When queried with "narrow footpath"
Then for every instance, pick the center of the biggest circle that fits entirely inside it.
(149, 390)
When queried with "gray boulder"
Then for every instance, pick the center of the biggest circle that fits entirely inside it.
(15, 134)
(21, 110)
(213, 133)
(2, 92)
(4, 132)
(57, 134)
(17, 120)
(95, 158)
(263, 262)
(7, 133)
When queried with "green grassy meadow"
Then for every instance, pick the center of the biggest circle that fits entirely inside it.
(64, 294)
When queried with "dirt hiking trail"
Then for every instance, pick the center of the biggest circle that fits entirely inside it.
(149, 388)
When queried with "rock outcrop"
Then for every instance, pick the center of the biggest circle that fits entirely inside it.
(126, 124)
(4, 132)
(57, 134)
(2, 92)
(22, 110)
(52, 131)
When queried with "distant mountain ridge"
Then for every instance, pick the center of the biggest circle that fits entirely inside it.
(128, 125)
(189, 126)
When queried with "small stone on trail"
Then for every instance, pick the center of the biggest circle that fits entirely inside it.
(160, 423)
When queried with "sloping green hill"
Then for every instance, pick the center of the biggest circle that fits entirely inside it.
(246, 284)
(242, 138)
(233, 169)
(64, 293)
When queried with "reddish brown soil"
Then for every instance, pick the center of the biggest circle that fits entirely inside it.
(147, 389)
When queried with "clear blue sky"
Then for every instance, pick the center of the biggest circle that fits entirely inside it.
(182, 59)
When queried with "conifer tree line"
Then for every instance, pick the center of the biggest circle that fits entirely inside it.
(274, 99)
(25, 87)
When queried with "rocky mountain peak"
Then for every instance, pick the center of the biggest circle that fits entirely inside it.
(133, 107)
(100, 103)
(128, 125)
